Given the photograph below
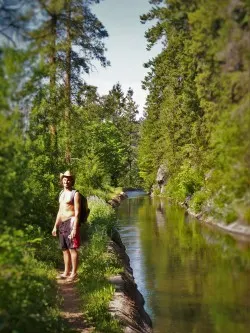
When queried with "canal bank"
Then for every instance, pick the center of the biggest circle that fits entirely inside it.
(226, 217)
(236, 227)
(127, 304)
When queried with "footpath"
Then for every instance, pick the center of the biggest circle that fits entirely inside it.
(71, 307)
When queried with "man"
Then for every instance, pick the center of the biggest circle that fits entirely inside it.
(67, 222)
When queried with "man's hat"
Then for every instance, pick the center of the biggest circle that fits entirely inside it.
(67, 174)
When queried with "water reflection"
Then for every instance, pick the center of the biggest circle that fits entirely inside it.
(193, 279)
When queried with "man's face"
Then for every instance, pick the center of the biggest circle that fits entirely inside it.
(67, 182)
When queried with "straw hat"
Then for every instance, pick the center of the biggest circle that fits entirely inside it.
(67, 174)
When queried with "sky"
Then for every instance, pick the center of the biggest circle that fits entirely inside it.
(126, 46)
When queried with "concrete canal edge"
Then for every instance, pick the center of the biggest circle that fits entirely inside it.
(238, 227)
(127, 305)
(234, 228)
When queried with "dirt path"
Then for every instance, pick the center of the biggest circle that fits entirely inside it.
(71, 307)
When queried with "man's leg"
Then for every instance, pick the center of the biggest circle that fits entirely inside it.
(67, 262)
(74, 261)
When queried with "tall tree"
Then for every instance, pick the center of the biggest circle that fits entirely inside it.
(129, 127)
(197, 85)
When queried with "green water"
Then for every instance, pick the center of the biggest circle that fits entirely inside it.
(194, 279)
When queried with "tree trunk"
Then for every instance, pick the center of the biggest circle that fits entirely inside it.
(68, 84)
(52, 76)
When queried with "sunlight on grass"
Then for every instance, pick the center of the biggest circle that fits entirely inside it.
(96, 266)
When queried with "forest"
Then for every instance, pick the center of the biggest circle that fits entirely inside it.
(195, 124)
(51, 121)
(197, 114)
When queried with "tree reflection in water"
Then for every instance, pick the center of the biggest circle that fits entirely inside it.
(193, 278)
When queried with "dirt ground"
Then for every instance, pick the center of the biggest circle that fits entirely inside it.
(71, 307)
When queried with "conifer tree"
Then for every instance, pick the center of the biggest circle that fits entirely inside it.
(129, 126)
(80, 29)
(197, 85)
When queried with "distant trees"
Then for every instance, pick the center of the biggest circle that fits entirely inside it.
(198, 105)
(107, 145)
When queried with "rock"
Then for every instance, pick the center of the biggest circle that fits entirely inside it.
(127, 304)
(115, 202)
(115, 236)
(123, 195)
(185, 203)
(161, 177)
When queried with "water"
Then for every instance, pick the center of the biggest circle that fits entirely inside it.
(194, 279)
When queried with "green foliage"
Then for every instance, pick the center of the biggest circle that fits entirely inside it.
(104, 140)
(44, 246)
(12, 163)
(27, 287)
(27, 279)
(102, 216)
(97, 265)
(247, 215)
(198, 201)
(231, 216)
(186, 182)
(50, 122)
(198, 111)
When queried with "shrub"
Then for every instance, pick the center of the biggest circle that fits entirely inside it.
(198, 200)
(29, 299)
(186, 182)
(46, 247)
(230, 216)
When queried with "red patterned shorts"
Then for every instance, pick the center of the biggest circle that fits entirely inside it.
(65, 229)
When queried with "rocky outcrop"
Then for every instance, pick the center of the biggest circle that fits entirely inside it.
(127, 304)
(161, 177)
(115, 202)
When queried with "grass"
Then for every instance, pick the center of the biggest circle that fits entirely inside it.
(97, 265)
(106, 194)
(114, 192)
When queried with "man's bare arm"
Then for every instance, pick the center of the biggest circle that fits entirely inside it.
(56, 223)
(77, 207)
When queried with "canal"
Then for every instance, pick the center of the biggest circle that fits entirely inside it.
(194, 279)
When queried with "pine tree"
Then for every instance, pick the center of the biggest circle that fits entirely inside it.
(197, 85)
(129, 127)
